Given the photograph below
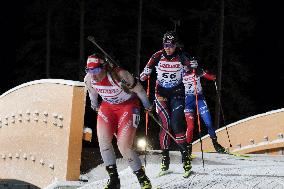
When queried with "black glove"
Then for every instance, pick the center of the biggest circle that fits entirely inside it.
(193, 64)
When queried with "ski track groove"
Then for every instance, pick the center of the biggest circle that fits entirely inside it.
(272, 182)
(255, 185)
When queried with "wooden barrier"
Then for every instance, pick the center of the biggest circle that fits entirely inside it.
(41, 129)
(262, 133)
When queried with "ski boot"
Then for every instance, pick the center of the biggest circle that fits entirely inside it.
(143, 179)
(186, 160)
(165, 160)
(113, 181)
(165, 163)
(189, 149)
(220, 149)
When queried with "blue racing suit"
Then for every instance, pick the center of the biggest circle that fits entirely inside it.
(190, 102)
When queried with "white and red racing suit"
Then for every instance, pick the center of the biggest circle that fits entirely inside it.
(119, 114)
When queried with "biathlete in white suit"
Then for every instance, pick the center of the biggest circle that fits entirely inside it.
(118, 114)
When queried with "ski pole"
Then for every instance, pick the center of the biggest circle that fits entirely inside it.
(147, 120)
(166, 130)
(219, 98)
(92, 39)
(147, 114)
(198, 116)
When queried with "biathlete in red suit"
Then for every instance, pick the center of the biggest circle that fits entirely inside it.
(118, 114)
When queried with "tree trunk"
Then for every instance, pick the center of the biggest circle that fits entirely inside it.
(220, 62)
(82, 44)
(137, 70)
(47, 64)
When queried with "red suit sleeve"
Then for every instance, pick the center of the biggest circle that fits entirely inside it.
(150, 64)
(209, 76)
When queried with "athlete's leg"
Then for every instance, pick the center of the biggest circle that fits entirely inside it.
(189, 116)
(205, 115)
(163, 113)
(179, 128)
(106, 127)
(177, 119)
(127, 124)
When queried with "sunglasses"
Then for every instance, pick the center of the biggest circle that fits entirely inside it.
(93, 71)
(169, 45)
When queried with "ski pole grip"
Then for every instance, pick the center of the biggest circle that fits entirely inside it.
(91, 38)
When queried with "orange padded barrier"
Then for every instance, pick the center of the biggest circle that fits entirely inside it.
(41, 130)
(262, 133)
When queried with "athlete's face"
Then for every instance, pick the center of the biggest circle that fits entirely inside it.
(99, 76)
(169, 48)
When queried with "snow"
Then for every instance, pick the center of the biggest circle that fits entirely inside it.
(220, 171)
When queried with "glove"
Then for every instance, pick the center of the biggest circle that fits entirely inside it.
(209, 76)
(149, 109)
(193, 64)
(146, 72)
(94, 107)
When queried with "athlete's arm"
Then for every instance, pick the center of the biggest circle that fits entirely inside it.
(135, 86)
(93, 95)
(150, 65)
(209, 76)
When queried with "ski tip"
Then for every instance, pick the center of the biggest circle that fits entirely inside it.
(192, 156)
(241, 155)
(162, 173)
(187, 174)
(231, 153)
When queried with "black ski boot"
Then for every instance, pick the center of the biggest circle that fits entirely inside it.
(113, 181)
(165, 160)
(143, 179)
(220, 149)
(189, 149)
(186, 160)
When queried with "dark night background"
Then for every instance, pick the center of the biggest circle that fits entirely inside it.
(252, 78)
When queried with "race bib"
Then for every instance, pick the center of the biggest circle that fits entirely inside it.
(188, 81)
(169, 74)
(136, 117)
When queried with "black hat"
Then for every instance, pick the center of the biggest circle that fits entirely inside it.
(170, 37)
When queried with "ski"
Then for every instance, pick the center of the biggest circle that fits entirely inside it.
(187, 174)
(162, 173)
(192, 156)
(239, 155)
(232, 154)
